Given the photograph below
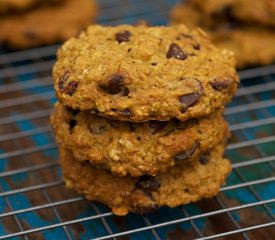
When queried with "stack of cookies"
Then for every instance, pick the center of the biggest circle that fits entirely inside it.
(139, 118)
(243, 26)
(30, 23)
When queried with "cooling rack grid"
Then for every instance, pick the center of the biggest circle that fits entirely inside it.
(34, 204)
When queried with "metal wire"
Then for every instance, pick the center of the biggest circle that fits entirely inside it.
(231, 146)
(26, 98)
(144, 228)
(195, 217)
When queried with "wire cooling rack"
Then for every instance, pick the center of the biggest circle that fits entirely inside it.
(34, 204)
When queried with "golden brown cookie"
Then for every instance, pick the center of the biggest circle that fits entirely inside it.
(188, 182)
(252, 46)
(254, 12)
(7, 6)
(136, 148)
(141, 73)
(241, 39)
(47, 24)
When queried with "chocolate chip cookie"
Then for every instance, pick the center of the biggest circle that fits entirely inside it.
(244, 42)
(242, 39)
(189, 182)
(7, 6)
(47, 24)
(136, 148)
(141, 73)
(254, 12)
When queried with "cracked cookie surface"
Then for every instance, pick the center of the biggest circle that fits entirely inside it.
(136, 148)
(141, 73)
(183, 184)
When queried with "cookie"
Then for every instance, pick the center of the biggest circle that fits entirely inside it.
(243, 40)
(260, 12)
(7, 6)
(136, 148)
(141, 73)
(186, 183)
(47, 24)
(203, 14)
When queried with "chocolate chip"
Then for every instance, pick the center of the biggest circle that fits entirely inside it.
(192, 98)
(143, 201)
(226, 18)
(187, 154)
(85, 163)
(154, 64)
(176, 122)
(114, 85)
(220, 85)
(73, 111)
(197, 46)
(145, 210)
(148, 183)
(69, 109)
(156, 126)
(125, 92)
(126, 112)
(224, 14)
(176, 52)
(123, 36)
(204, 159)
(70, 88)
(63, 79)
(72, 124)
